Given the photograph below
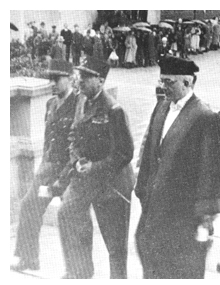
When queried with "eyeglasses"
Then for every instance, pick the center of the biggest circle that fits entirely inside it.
(167, 81)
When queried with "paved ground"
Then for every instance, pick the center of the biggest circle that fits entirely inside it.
(136, 93)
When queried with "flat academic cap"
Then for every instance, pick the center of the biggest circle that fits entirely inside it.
(172, 65)
(59, 68)
(94, 66)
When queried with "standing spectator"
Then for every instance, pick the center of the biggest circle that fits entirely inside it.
(67, 35)
(38, 45)
(28, 32)
(120, 36)
(195, 39)
(88, 44)
(131, 50)
(29, 40)
(108, 30)
(35, 30)
(113, 56)
(102, 30)
(101, 150)
(209, 35)
(45, 44)
(106, 46)
(77, 45)
(145, 48)
(140, 49)
(215, 35)
(172, 40)
(178, 182)
(187, 42)
(163, 49)
(92, 31)
(98, 46)
(151, 49)
(53, 36)
(58, 50)
(180, 39)
(43, 31)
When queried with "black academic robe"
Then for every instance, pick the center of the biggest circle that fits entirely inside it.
(178, 183)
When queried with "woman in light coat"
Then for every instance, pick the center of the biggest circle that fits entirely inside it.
(195, 39)
(131, 50)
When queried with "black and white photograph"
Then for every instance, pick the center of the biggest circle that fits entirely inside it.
(114, 144)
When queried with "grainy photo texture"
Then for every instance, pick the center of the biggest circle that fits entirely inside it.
(115, 144)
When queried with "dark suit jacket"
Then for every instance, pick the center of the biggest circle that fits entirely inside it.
(178, 183)
(77, 42)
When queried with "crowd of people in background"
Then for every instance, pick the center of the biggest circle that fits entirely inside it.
(130, 48)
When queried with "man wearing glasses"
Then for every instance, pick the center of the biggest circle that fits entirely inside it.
(179, 179)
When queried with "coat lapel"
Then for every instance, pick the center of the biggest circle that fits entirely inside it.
(91, 111)
(66, 106)
(180, 127)
(158, 123)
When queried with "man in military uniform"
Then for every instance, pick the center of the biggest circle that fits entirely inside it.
(101, 150)
(58, 120)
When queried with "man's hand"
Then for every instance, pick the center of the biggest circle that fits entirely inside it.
(84, 168)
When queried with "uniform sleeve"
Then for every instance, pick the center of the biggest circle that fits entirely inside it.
(64, 180)
(46, 143)
(208, 188)
(122, 147)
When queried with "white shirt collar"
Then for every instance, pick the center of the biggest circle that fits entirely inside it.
(181, 103)
(96, 96)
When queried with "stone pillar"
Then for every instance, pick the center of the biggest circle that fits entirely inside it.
(28, 97)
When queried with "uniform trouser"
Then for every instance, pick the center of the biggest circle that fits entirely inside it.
(76, 229)
(76, 57)
(67, 52)
(31, 214)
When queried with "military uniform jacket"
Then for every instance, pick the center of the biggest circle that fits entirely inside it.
(103, 137)
(57, 128)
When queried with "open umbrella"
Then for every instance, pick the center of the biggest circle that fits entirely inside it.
(199, 22)
(121, 29)
(188, 23)
(143, 29)
(169, 21)
(165, 25)
(13, 27)
(141, 24)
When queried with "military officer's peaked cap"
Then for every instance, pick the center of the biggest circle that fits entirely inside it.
(94, 66)
(59, 68)
(171, 65)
